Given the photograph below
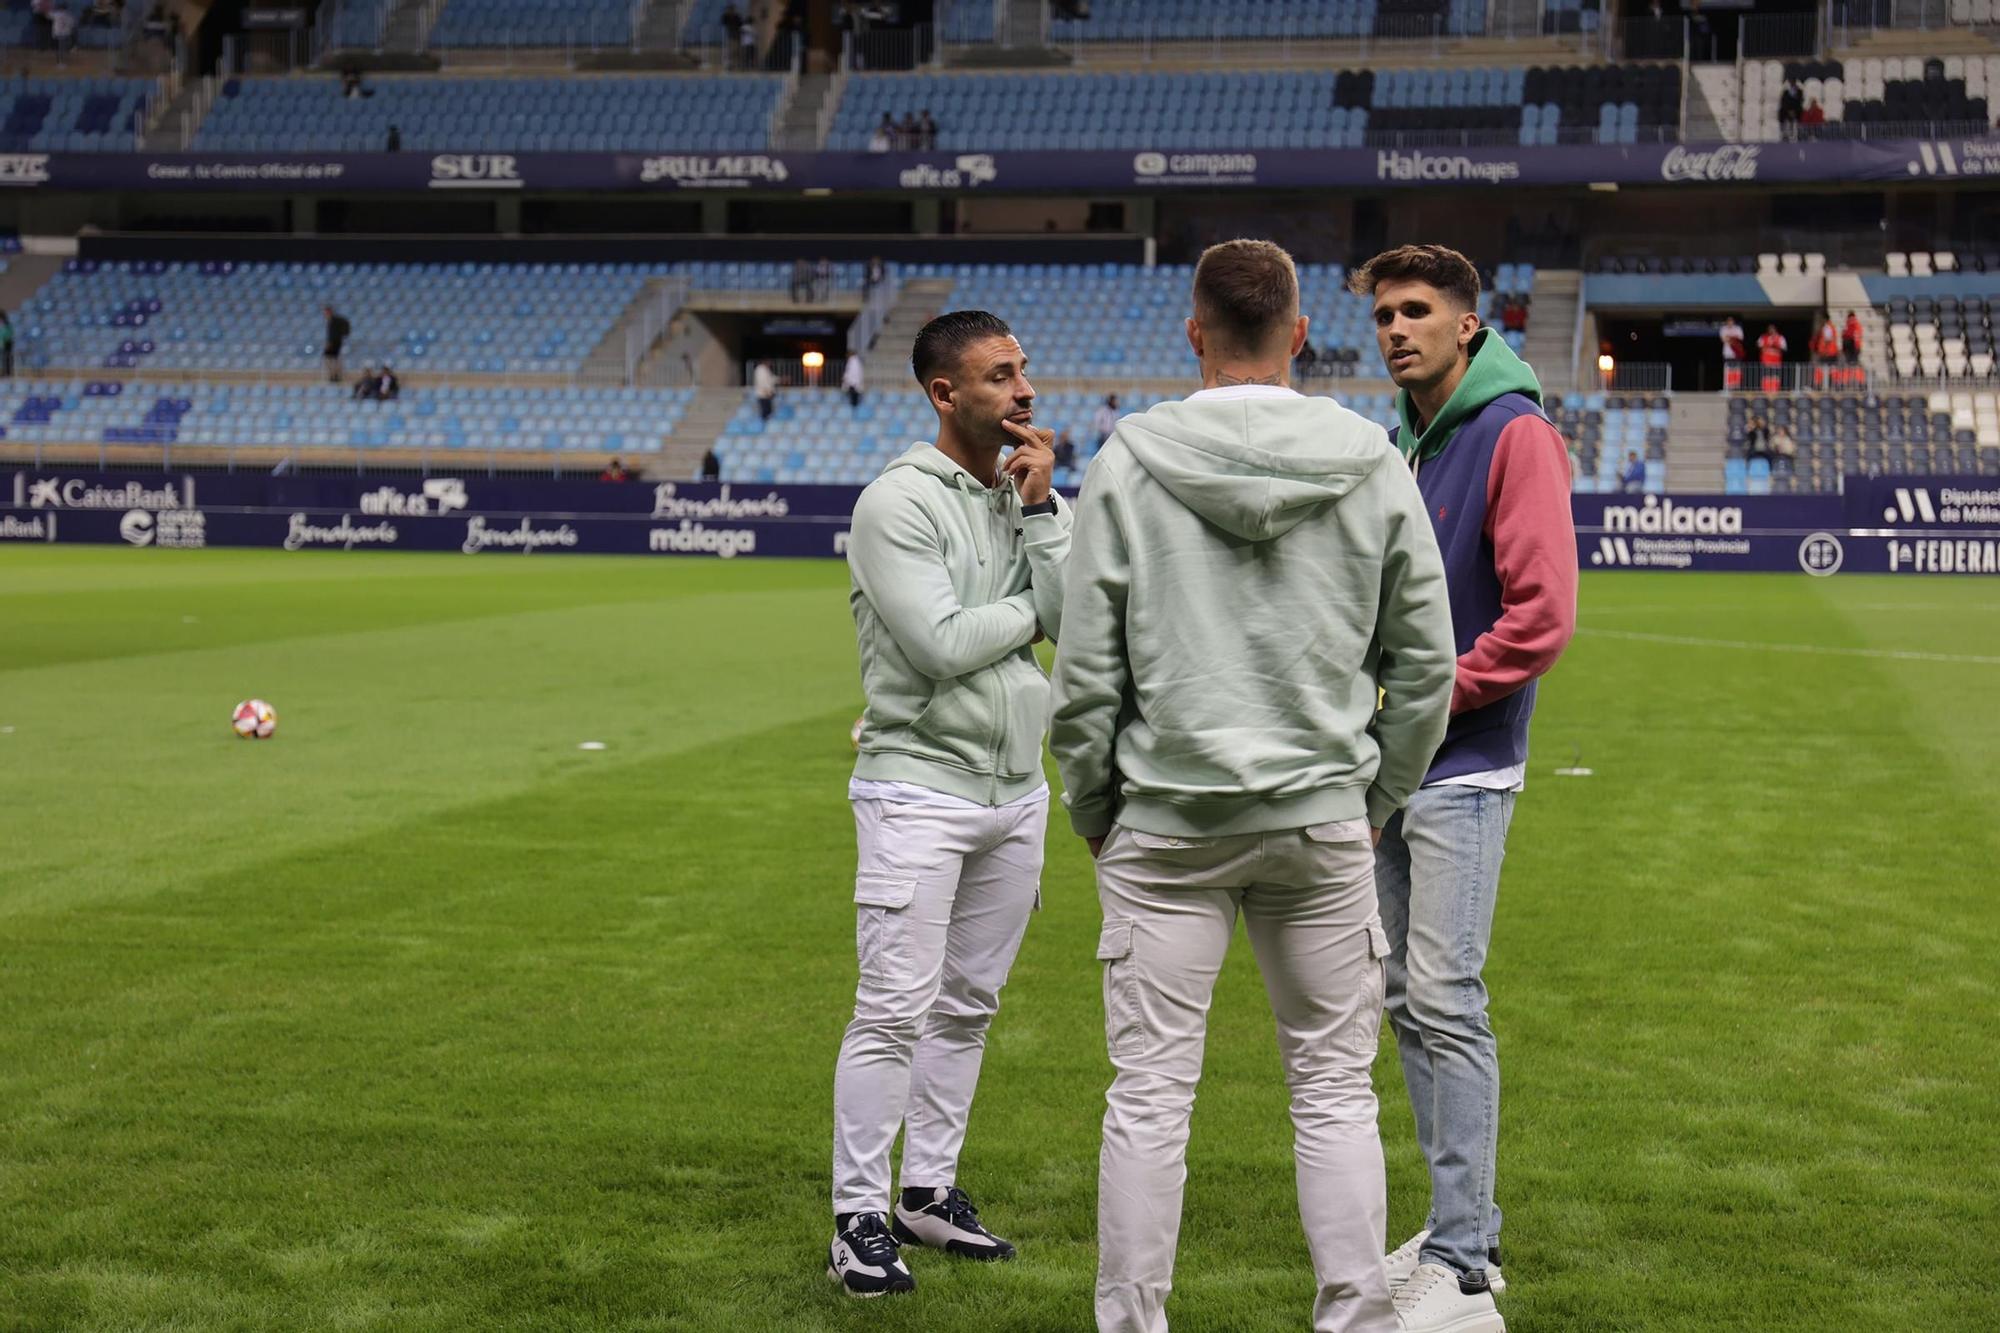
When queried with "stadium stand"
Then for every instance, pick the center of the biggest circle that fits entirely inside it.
(358, 24)
(441, 318)
(1271, 109)
(1940, 432)
(815, 438)
(1896, 94)
(72, 115)
(219, 316)
(475, 23)
(611, 113)
(1201, 20)
(324, 416)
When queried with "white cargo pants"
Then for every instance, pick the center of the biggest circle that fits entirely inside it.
(1307, 897)
(942, 898)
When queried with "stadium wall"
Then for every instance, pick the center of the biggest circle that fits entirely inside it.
(1882, 525)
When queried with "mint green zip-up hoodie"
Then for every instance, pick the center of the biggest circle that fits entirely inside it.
(1247, 569)
(950, 584)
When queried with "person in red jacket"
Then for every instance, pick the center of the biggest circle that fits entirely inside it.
(1825, 353)
(1850, 375)
(1771, 355)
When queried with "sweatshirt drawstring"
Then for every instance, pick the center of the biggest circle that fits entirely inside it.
(978, 528)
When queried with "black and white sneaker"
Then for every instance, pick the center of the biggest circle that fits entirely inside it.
(864, 1261)
(944, 1219)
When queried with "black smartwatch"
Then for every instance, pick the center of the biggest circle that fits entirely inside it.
(1047, 506)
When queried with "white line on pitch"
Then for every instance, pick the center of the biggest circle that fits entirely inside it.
(1814, 649)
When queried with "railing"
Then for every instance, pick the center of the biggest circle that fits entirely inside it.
(1844, 18)
(786, 96)
(890, 48)
(1406, 37)
(1011, 34)
(875, 308)
(1843, 130)
(428, 20)
(829, 106)
(1778, 36)
(589, 38)
(1795, 377)
(792, 374)
(662, 300)
(322, 460)
(1566, 135)
(204, 99)
(1637, 377)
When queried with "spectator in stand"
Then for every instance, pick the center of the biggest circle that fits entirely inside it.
(62, 28)
(1812, 120)
(1633, 478)
(1784, 451)
(911, 133)
(44, 21)
(1771, 350)
(764, 383)
(1065, 451)
(6, 346)
(891, 133)
(614, 472)
(801, 281)
(1105, 420)
(878, 138)
(874, 275)
(368, 388)
(851, 377)
(1305, 364)
(926, 130)
(1850, 352)
(711, 466)
(1731, 334)
(351, 84)
(387, 386)
(1514, 315)
(1791, 106)
(337, 329)
(746, 43)
(1825, 353)
(823, 279)
(732, 31)
(394, 142)
(1757, 439)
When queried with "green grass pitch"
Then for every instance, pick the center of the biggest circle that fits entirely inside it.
(419, 1017)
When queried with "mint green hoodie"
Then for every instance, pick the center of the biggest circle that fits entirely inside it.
(950, 584)
(1248, 567)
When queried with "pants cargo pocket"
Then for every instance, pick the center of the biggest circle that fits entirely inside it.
(1368, 1013)
(881, 925)
(1123, 1032)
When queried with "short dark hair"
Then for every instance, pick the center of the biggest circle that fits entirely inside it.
(1439, 265)
(1245, 292)
(941, 343)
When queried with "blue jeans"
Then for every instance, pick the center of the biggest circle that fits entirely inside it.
(1437, 873)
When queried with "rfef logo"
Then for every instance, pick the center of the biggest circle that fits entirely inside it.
(1821, 555)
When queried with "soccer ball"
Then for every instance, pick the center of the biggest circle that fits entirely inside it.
(255, 720)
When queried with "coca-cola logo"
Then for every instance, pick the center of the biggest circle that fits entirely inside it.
(1729, 162)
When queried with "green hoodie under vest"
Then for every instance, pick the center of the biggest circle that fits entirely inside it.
(1492, 371)
(1249, 565)
(950, 584)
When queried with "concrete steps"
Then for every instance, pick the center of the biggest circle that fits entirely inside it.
(798, 131)
(681, 454)
(1550, 347)
(1696, 435)
(1715, 104)
(406, 32)
(918, 302)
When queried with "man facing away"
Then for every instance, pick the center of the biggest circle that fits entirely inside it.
(957, 562)
(1495, 481)
(1250, 566)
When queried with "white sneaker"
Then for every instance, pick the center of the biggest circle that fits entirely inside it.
(1433, 1302)
(863, 1259)
(946, 1220)
(1402, 1261)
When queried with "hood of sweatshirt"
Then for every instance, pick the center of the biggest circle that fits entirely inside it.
(1494, 371)
(931, 461)
(1257, 466)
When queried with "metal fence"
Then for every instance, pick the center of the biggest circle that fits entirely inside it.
(1636, 376)
(1778, 37)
